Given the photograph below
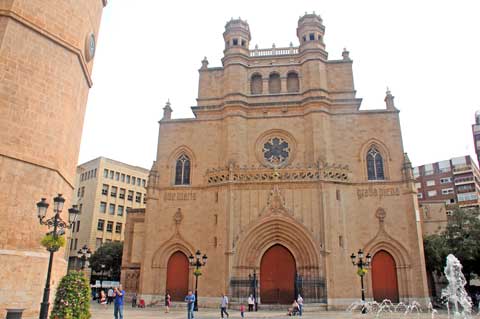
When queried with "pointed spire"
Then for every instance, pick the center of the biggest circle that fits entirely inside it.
(204, 64)
(389, 100)
(167, 111)
(346, 55)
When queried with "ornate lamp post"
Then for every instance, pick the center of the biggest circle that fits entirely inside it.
(198, 263)
(84, 254)
(59, 226)
(361, 270)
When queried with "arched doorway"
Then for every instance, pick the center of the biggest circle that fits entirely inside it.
(384, 277)
(177, 276)
(277, 276)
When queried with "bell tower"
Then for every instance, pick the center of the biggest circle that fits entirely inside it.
(310, 32)
(237, 37)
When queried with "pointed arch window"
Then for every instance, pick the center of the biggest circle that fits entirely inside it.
(182, 170)
(375, 164)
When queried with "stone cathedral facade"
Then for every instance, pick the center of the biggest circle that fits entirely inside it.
(282, 175)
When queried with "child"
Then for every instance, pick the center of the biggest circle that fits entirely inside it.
(242, 310)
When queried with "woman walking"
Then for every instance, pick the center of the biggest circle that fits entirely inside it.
(168, 302)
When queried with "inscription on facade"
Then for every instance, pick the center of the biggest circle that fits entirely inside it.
(180, 196)
(377, 192)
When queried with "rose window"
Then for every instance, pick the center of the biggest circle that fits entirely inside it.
(276, 150)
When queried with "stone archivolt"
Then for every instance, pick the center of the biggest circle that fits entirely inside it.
(260, 174)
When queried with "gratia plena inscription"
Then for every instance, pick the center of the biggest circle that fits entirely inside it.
(377, 192)
(179, 196)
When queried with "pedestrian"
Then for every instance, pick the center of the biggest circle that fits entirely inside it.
(190, 299)
(300, 305)
(103, 299)
(242, 310)
(118, 294)
(110, 295)
(250, 302)
(168, 302)
(224, 305)
(134, 300)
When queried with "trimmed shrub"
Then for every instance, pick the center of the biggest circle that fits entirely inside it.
(72, 300)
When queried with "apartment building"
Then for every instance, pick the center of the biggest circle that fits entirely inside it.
(455, 181)
(105, 189)
(476, 135)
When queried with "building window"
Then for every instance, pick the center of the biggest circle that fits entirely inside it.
(118, 228)
(244, 43)
(445, 180)
(95, 172)
(292, 82)
(419, 195)
(78, 226)
(467, 197)
(79, 192)
(429, 170)
(83, 191)
(110, 226)
(111, 209)
(76, 242)
(130, 195)
(81, 177)
(182, 170)
(117, 176)
(304, 38)
(144, 198)
(105, 173)
(100, 224)
(256, 84)
(139, 181)
(98, 243)
(80, 208)
(122, 193)
(418, 185)
(144, 182)
(71, 243)
(120, 210)
(274, 84)
(431, 183)
(105, 189)
(111, 174)
(103, 207)
(128, 179)
(113, 193)
(235, 41)
(375, 164)
(447, 191)
(138, 197)
(122, 178)
(311, 36)
(432, 193)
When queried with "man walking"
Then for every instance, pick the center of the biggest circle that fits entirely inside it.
(224, 305)
(300, 305)
(190, 299)
(119, 293)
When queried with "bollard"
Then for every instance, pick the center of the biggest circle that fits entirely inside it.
(14, 313)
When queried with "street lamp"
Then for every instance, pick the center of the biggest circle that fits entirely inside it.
(361, 270)
(101, 278)
(198, 263)
(59, 226)
(84, 254)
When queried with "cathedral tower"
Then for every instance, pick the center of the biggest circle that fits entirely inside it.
(46, 59)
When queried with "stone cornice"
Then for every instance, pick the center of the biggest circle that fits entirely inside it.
(52, 37)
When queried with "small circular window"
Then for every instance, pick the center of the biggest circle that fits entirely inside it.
(276, 151)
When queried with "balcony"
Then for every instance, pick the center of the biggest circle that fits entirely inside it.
(462, 169)
(463, 180)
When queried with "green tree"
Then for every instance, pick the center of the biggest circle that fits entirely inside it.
(72, 300)
(461, 238)
(110, 255)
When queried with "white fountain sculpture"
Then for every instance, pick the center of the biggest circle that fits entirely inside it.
(455, 292)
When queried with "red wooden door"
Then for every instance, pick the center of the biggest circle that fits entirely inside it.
(384, 277)
(277, 276)
(177, 276)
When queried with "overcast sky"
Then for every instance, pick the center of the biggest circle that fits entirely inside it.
(148, 51)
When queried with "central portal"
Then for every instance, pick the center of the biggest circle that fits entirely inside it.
(277, 276)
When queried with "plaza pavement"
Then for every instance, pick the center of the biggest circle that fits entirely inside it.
(98, 312)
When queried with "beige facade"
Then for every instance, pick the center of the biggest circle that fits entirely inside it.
(279, 154)
(46, 59)
(104, 190)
